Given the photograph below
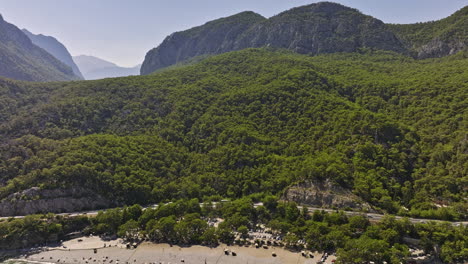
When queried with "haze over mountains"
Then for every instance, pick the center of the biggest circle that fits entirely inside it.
(36, 57)
(55, 48)
(95, 68)
(313, 29)
(22, 60)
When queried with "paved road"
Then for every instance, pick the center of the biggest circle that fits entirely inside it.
(372, 216)
(377, 217)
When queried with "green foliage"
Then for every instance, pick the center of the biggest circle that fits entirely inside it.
(38, 230)
(389, 128)
(182, 222)
(449, 29)
(364, 249)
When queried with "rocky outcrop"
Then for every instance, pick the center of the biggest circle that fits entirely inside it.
(35, 200)
(313, 29)
(325, 195)
(214, 37)
(435, 39)
(318, 28)
(438, 48)
(321, 28)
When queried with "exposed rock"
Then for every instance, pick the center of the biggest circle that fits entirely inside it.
(435, 39)
(35, 200)
(318, 28)
(325, 195)
(321, 28)
(214, 37)
(438, 48)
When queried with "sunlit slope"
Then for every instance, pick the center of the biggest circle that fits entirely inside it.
(389, 128)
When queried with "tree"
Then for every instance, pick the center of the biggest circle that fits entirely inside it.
(364, 249)
(270, 202)
(291, 240)
(244, 231)
(225, 234)
(133, 212)
(129, 230)
(210, 236)
(358, 222)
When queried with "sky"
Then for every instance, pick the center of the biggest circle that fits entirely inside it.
(123, 31)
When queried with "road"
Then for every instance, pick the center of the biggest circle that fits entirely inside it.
(378, 217)
(373, 217)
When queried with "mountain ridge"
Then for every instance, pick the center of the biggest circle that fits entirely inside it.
(22, 60)
(318, 28)
(438, 38)
(94, 68)
(213, 37)
(323, 27)
(55, 48)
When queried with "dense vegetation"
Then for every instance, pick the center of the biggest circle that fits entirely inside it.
(184, 222)
(391, 129)
(38, 230)
(451, 31)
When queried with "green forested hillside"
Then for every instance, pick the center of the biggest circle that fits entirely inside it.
(435, 38)
(391, 129)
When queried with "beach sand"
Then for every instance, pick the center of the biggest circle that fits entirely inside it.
(83, 252)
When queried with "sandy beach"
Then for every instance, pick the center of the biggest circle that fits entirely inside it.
(83, 252)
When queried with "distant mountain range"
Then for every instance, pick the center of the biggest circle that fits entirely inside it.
(55, 48)
(95, 68)
(22, 60)
(30, 57)
(312, 29)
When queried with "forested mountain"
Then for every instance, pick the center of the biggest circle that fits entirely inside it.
(313, 29)
(95, 68)
(436, 38)
(319, 28)
(22, 60)
(388, 128)
(55, 48)
(214, 37)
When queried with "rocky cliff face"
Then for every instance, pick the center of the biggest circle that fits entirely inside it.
(214, 37)
(55, 48)
(318, 28)
(35, 200)
(313, 29)
(437, 48)
(20, 59)
(326, 195)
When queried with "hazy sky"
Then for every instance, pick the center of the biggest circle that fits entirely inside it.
(122, 31)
